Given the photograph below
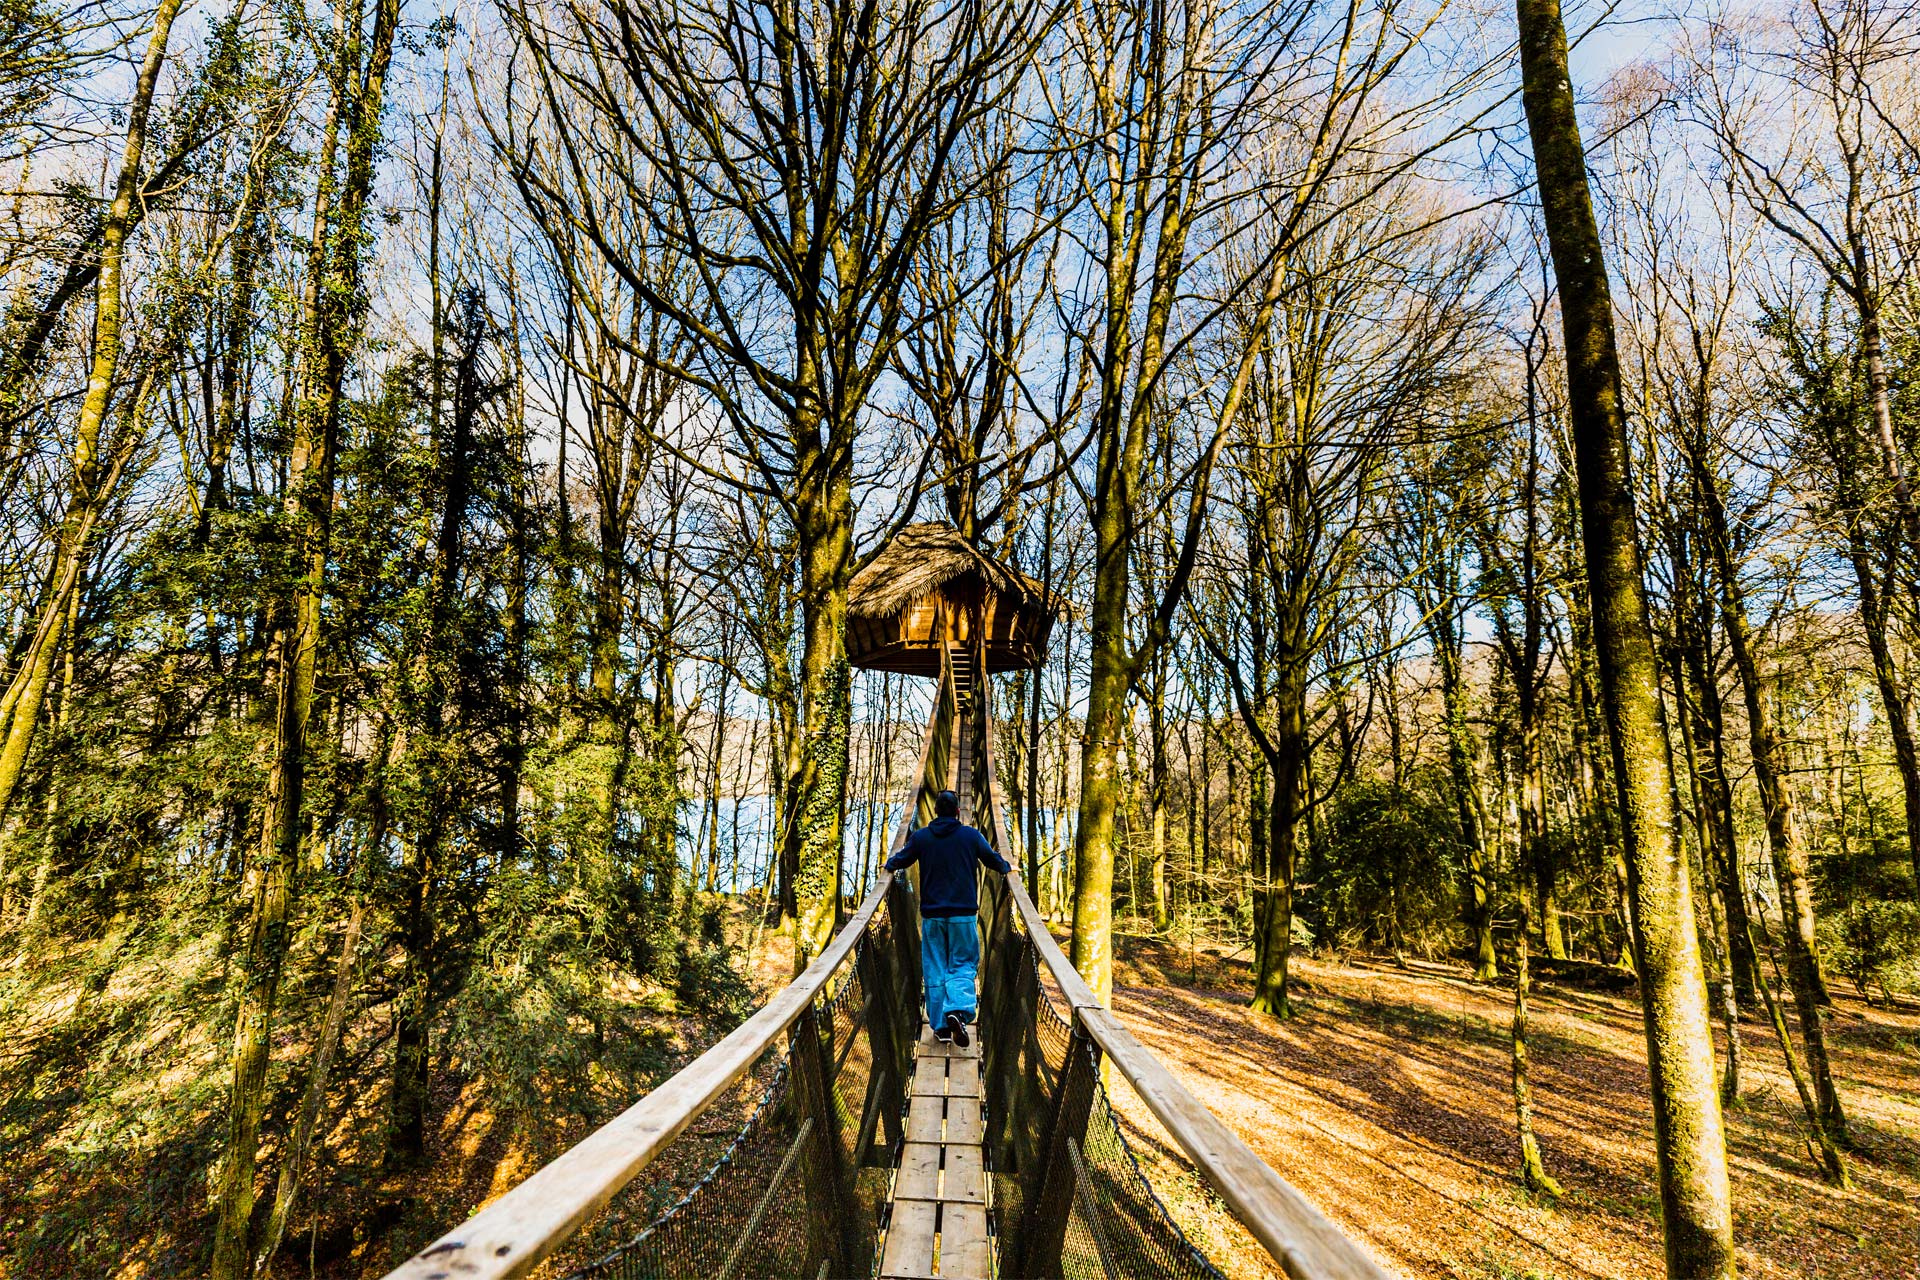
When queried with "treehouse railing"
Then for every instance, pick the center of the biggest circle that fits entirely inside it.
(1063, 1167)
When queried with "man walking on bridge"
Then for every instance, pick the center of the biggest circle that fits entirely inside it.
(947, 850)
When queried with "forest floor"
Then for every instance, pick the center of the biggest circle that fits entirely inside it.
(1387, 1100)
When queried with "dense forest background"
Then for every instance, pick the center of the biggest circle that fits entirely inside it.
(437, 443)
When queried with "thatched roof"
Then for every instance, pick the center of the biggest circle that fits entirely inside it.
(921, 559)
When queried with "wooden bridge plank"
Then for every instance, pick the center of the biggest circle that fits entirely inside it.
(929, 1047)
(937, 1076)
(963, 1121)
(919, 1176)
(909, 1251)
(923, 1119)
(963, 1180)
(941, 1188)
(963, 1242)
(963, 1078)
(965, 1176)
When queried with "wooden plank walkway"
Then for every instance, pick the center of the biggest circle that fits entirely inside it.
(938, 1224)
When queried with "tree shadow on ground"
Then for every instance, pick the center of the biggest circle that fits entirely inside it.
(1420, 1061)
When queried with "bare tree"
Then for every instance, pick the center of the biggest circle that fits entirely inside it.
(1814, 110)
(1365, 350)
(797, 157)
(1683, 317)
(1689, 1136)
(1196, 126)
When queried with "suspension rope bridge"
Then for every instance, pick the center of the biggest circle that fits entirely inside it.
(876, 1150)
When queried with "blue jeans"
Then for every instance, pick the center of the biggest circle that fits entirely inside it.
(949, 959)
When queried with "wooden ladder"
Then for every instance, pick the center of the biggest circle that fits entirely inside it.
(960, 659)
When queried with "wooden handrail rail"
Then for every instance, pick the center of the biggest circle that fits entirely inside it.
(1288, 1225)
(514, 1233)
(511, 1236)
(1000, 844)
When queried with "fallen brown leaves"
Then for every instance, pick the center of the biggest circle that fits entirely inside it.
(1386, 1100)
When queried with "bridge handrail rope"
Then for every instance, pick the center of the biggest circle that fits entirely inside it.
(510, 1236)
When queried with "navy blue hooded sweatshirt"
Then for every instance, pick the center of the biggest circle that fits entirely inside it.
(946, 850)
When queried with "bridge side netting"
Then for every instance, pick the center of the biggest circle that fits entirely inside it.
(1120, 1226)
(799, 1191)
(1070, 1198)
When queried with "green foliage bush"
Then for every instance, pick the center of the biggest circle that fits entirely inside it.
(1389, 872)
(1875, 943)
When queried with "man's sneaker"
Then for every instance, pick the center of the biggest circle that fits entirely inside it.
(956, 1030)
(943, 1035)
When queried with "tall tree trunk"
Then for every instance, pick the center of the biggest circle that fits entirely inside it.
(438, 689)
(1690, 1142)
(1261, 710)
(332, 323)
(1108, 683)
(1466, 793)
(1533, 816)
(813, 831)
(1772, 775)
(1705, 823)
(1202, 889)
(1716, 797)
(1157, 783)
(92, 483)
(1286, 764)
(609, 727)
(513, 747)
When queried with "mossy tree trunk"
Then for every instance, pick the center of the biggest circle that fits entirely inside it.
(813, 835)
(333, 315)
(1690, 1143)
(94, 476)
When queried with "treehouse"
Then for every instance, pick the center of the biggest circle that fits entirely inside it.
(927, 590)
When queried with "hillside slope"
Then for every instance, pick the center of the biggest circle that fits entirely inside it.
(1386, 1100)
